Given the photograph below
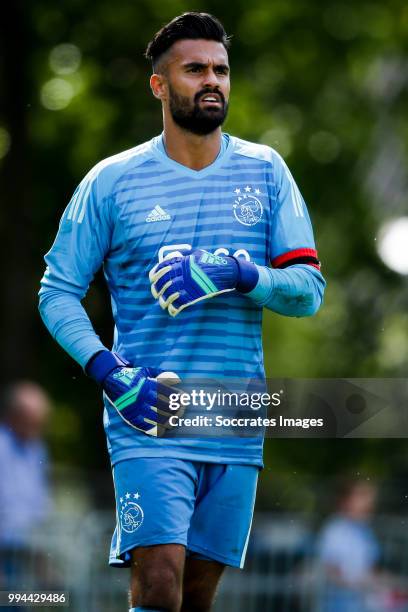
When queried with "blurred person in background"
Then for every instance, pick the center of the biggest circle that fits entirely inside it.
(349, 551)
(25, 499)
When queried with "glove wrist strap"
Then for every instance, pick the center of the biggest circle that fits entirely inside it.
(248, 275)
(102, 364)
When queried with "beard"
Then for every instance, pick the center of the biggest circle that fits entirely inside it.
(193, 118)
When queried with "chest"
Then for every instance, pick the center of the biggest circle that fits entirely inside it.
(24, 477)
(227, 213)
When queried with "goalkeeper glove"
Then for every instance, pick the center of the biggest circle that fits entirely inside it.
(136, 393)
(182, 281)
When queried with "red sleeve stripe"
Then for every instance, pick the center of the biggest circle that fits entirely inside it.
(307, 256)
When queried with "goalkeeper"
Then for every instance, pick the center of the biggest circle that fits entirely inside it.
(197, 231)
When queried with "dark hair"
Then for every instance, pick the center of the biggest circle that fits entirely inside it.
(345, 487)
(9, 395)
(186, 26)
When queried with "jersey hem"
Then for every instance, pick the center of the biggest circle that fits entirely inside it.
(186, 456)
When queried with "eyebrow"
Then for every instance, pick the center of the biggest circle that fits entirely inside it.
(201, 65)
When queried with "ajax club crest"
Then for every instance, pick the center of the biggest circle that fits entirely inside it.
(131, 514)
(247, 206)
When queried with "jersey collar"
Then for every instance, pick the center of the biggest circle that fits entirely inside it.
(160, 153)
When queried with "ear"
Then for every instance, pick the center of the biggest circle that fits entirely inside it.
(158, 86)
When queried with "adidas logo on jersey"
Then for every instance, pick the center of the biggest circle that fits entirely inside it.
(157, 214)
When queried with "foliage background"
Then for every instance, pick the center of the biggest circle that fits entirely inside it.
(325, 83)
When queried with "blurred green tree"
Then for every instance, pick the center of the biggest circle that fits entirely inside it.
(327, 86)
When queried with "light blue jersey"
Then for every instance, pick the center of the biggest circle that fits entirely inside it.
(133, 210)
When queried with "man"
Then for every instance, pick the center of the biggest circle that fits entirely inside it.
(351, 580)
(199, 215)
(25, 499)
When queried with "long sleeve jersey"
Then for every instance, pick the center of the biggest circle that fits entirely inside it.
(139, 207)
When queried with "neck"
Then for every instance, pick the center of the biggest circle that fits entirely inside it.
(191, 150)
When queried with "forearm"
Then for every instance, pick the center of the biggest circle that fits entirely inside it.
(296, 291)
(68, 322)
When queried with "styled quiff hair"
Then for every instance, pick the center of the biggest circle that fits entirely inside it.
(188, 26)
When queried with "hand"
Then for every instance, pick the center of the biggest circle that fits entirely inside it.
(180, 282)
(136, 393)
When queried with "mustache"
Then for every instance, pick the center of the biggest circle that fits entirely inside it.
(208, 90)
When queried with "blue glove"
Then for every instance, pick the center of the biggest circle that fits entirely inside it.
(182, 281)
(136, 393)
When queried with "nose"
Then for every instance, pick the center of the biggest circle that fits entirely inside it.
(211, 79)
